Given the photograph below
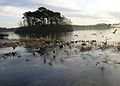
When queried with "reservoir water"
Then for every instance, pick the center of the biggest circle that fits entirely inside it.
(65, 67)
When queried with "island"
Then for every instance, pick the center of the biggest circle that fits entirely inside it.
(43, 20)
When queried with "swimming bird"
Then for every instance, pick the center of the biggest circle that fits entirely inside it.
(53, 50)
(118, 47)
(50, 63)
(97, 63)
(54, 57)
(44, 60)
(84, 44)
(19, 56)
(94, 34)
(26, 60)
(61, 46)
(14, 47)
(13, 53)
(33, 53)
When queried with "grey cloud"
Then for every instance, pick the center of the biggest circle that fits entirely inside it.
(14, 2)
(31, 4)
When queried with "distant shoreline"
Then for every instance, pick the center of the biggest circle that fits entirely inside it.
(92, 27)
(74, 27)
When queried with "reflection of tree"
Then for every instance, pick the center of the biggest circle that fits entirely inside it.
(53, 36)
(44, 16)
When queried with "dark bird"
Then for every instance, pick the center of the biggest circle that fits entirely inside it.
(4, 44)
(54, 57)
(53, 51)
(76, 42)
(14, 47)
(13, 53)
(50, 63)
(115, 31)
(44, 60)
(33, 53)
(97, 63)
(118, 48)
(94, 34)
(61, 46)
(83, 44)
(19, 56)
(26, 60)
(105, 43)
(72, 42)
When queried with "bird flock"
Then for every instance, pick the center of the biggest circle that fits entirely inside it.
(43, 47)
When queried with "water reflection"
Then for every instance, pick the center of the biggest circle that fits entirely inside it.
(58, 36)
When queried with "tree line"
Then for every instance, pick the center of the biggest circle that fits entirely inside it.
(44, 16)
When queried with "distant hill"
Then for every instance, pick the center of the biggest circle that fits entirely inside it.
(92, 27)
(7, 29)
(3, 29)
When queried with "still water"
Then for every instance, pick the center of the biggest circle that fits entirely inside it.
(99, 35)
(70, 67)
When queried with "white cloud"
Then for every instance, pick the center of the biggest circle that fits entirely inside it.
(12, 11)
(10, 15)
(9, 21)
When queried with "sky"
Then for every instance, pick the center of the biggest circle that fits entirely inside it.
(81, 12)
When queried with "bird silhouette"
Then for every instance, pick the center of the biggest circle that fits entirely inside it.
(114, 31)
(94, 34)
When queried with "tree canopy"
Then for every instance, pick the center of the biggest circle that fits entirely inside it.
(44, 16)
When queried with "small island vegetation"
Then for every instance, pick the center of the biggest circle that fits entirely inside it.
(43, 20)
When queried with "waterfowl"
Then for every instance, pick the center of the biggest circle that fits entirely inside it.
(114, 31)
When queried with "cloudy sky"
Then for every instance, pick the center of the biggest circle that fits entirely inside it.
(79, 11)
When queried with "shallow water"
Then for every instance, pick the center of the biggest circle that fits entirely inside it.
(71, 67)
